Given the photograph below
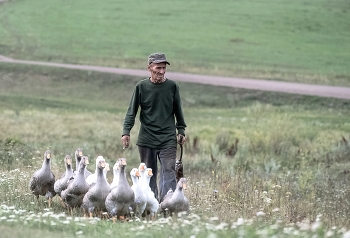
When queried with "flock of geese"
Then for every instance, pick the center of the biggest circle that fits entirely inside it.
(95, 195)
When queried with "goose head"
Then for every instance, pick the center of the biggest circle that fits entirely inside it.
(105, 170)
(47, 155)
(47, 159)
(101, 164)
(83, 162)
(98, 159)
(122, 163)
(68, 161)
(135, 173)
(142, 167)
(78, 155)
(148, 172)
(182, 184)
(116, 168)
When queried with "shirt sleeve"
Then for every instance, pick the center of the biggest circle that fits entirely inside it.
(131, 113)
(180, 120)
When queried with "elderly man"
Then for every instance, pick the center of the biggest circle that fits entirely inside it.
(158, 99)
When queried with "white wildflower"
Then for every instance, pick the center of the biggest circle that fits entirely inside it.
(276, 209)
(260, 214)
(329, 233)
(240, 221)
(346, 234)
(221, 226)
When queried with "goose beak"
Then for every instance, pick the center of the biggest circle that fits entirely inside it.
(69, 161)
(48, 156)
(184, 186)
(150, 173)
(80, 153)
(103, 164)
(87, 161)
(142, 167)
(138, 174)
(123, 162)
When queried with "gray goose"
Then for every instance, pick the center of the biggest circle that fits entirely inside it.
(78, 155)
(73, 195)
(121, 197)
(43, 180)
(62, 183)
(94, 199)
(176, 201)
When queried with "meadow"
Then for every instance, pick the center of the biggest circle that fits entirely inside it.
(299, 41)
(259, 164)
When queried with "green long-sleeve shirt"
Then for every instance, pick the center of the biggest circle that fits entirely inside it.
(160, 105)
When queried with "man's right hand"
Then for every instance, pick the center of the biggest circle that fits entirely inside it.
(126, 141)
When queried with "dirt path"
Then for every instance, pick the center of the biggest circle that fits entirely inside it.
(264, 85)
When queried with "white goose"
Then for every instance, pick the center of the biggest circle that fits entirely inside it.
(142, 170)
(176, 201)
(116, 172)
(91, 179)
(140, 201)
(152, 205)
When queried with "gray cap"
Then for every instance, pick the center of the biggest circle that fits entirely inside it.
(157, 58)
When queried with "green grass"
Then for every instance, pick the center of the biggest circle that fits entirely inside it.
(287, 176)
(282, 40)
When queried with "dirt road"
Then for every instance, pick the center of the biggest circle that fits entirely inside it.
(263, 85)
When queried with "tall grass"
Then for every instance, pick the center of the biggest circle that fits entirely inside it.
(283, 40)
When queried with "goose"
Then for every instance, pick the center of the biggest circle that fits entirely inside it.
(176, 201)
(94, 199)
(152, 205)
(43, 180)
(77, 187)
(116, 171)
(78, 155)
(105, 171)
(92, 177)
(121, 197)
(142, 169)
(140, 201)
(62, 183)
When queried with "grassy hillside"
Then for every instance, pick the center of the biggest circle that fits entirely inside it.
(296, 41)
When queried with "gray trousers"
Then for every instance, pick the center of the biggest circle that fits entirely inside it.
(167, 159)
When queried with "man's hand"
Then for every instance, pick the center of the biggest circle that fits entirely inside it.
(181, 139)
(126, 141)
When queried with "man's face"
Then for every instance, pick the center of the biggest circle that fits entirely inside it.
(157, 71)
